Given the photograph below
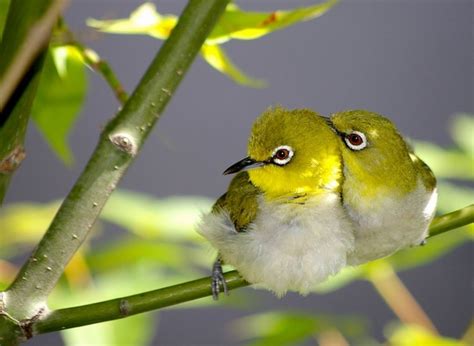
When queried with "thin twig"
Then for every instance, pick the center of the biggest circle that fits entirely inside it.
(64, 36)
(102, 67)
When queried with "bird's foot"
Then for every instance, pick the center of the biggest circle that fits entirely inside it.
(218, 279)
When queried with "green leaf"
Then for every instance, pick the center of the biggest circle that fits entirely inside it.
(341, 279)
(462, 131)
(60, 97)
(217, 58)
(173, 217)
(144, 20)
(126, 251)
(408, 335)
(435, 248)
(453, 196)
(134, 330)
(234, 24)
(4, 4)
(247, 25)
(24, 223)
(290, 328)
(446, 163)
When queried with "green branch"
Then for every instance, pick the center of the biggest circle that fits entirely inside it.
(120, 142)
(452, 220)
(132, 305)
(147, 301)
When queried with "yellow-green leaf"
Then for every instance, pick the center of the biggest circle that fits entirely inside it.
(60, 97)
(217, 58)
(446, 163)
(246, 25)
(234, 24)
(462, 132)
(144, 20)
(408, 335)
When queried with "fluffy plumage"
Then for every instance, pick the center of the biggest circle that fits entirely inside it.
(286, 247)
(289, 227)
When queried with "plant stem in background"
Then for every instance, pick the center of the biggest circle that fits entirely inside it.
(24, 40)
(93, 60)
(102, 67)
(119, 143)
(398, 298)
(151, 300)
(27, 33)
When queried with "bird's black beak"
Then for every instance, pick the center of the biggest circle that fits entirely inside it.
(243, 164)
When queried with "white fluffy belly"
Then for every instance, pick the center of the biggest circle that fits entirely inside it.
(288, 246)
(388, 224)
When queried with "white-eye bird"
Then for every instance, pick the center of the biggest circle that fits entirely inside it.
(318, 194)
(388, 192)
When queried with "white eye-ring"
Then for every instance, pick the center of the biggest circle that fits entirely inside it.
(282, 155)
(355, 140)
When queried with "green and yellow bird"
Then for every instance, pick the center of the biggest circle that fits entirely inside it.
(316, 194)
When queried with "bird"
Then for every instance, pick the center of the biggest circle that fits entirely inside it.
(389, 193)
(316, 194)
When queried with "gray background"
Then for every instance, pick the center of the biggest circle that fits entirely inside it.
(410, 60)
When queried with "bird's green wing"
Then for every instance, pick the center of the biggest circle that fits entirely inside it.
(240, 201)
(427, 175)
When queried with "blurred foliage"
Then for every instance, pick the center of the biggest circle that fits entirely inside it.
(289, 328)
(234, 24)
(3, 14)
(409, 335)
(60, 98)
(455, 163)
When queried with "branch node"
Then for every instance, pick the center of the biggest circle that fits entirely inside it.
(124, 307)
(12, 160)
(124, 142)
(26, 325)
(2, 302)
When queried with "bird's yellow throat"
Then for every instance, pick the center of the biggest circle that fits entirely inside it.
(321, 176)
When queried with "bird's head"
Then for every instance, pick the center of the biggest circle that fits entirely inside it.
(374, 152)
(292, 153)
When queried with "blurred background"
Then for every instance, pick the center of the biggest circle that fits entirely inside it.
(409, 60)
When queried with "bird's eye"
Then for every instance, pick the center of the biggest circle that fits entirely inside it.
(282, 155)
(356, 140)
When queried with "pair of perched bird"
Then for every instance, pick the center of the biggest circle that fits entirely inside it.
(316, 194)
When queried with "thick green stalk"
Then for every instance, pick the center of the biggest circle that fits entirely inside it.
(26, 35)
(119, 143)
(147, 301)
